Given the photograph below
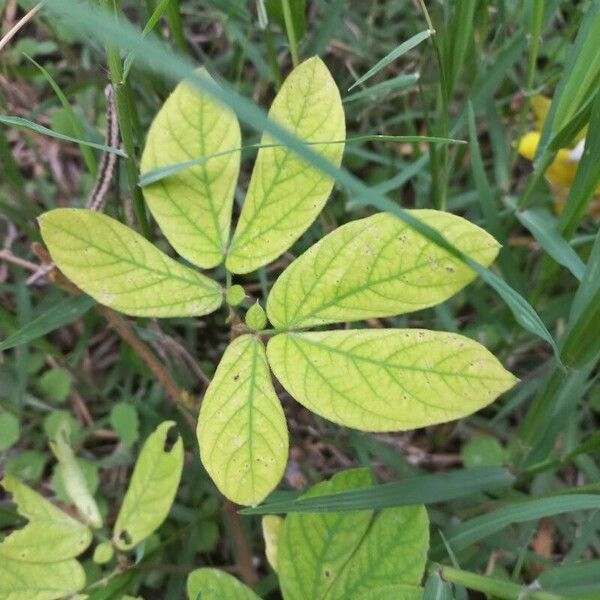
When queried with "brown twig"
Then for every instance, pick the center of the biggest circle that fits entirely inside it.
(19, 25)
(244, 565)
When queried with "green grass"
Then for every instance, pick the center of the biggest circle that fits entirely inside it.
(476, 75)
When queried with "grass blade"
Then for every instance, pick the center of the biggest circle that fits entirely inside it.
(61, 314)
(32, 126)
(396, 84)
(425, 489)
(403, 48)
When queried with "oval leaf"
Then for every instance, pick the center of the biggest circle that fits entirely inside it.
(40, 581)
(193, 207)
(120, 269)
(313, 548)
(377, 267)
(242, 431)
(151, 490)
(285, 193)
(387, 380)
(212, 584)
(393, 552)
(50, 536)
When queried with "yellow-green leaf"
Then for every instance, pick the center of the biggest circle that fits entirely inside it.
(271, 530)
(73, 479)
(151, 490)
(213, 584)
(285, 193)
(393, 592)
(393, 551)
(314, 547)
(119, 268)
(377, 267)
(193, 206)
(39, 581)
(242, 431)
(50, 536)
(387, 380)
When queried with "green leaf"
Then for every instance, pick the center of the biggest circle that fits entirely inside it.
(377, 267)
(423, 489)
(387, 380)
(61, 314)
(256, 317)
(151, 490)
(242, 431)
(213, 584)
(72, 478)
(39, 581)
(193, 207)
(313, 548)
(51, 536)
(120, 269)
(285, 193)
(124, 420)
(55, 385)
(393, 592)
(482, 451)
(10, 430)
(394, 551)
(298, 11)
(271, 530)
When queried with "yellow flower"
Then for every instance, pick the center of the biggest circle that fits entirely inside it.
(561, 173)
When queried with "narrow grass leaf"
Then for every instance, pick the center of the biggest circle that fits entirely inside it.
(22, 123)
(544, 228)
(393, 55)
(65, 312)
(399, 83)
(423, 489)
(478, 528)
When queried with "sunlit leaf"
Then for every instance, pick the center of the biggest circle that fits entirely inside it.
(394, 551)
(50, 536)
(271, 529)
(313, 548)
(73, 480)
(120, 269)
(286, 193)
(377, 267)
(151, 489)
(39, 581)
(387, 380)
(241, 428)
(393, 592)
(193, 207)
(213, 584)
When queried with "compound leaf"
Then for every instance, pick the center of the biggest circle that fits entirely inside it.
(242, 431)
(213, 584)
(151, 490)
(387, 380)
(394, 551)
(193, 206)
(377, 267)
(313, 548)
(21, 580)
(121, 269)
(51, 536)
(285, 193)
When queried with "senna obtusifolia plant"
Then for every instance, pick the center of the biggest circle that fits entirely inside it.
(375, 267)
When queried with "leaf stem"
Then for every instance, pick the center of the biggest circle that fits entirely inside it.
(291, 34)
